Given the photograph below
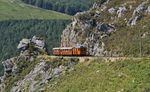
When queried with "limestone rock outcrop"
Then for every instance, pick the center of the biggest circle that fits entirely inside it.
(86, 31)
(138, 13)
(29, 49)
(44, 72)
(92, 28)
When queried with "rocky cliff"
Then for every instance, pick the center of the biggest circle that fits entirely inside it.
(30, 71)
(93, 28)
(29, 50)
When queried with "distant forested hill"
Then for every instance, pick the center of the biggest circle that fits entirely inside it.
(70, 7)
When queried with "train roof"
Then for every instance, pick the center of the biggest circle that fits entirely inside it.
(67, 47)
(63, 48)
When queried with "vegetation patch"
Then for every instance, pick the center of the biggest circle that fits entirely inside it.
(130, 75)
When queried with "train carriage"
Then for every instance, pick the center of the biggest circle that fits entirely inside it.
(70, 51)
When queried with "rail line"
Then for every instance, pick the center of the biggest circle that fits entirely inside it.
(89, 58)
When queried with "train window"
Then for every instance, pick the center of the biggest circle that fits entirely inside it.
(56, 50)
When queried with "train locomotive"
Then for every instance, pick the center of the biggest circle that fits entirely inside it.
(70, 51)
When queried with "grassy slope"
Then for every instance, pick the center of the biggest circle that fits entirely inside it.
(122, 76)
(13, 9)
(126, 41)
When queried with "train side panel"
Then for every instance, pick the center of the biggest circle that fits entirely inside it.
(70, 51)
(66, 52)
(79, 51)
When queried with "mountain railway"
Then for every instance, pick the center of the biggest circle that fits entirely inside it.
(91, 58)
(70, 51)
(82, 54)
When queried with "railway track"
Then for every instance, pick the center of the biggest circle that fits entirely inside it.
(89, 58)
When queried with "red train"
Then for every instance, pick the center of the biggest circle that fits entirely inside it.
(70, 51)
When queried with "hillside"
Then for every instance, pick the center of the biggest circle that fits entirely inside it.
(32, 72)
(99, 76)
(70, 74)
(14, 9)
(117, 37)
(19, 20)
(70, 7)
(111, 28)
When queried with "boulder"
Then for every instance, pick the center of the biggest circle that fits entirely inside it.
(148, 10)
(130, 7)
(121, 11)
(31, 46)
(138, 14)
(139, 9)
(105, 28)
(112, 10)
(57, 71)
(38, 42)
(99, 4)
(97, 14)
(96, 5)
(133, 21)
(8, 66)
(23, 45)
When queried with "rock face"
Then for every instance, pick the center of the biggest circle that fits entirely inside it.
(29, 49)
(99, 4)
(92, 29)
(112, 10)
(121, 11)
(42, 73)
(39, 74)
(148, 9)
(86, 31)
(138, 13)
(36, 42)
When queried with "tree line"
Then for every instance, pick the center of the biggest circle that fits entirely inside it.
(70, 7)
